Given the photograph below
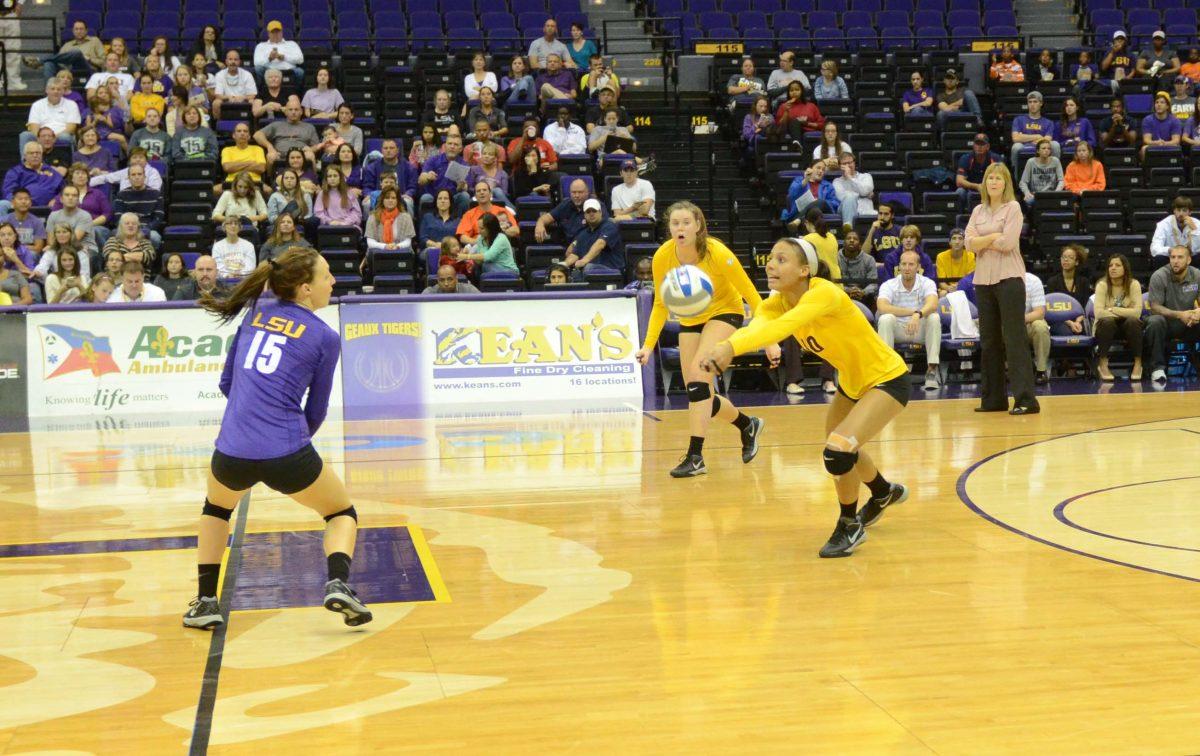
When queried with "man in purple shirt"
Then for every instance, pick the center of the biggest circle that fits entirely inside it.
(31, 231)
(556, 82)
(42, 181)
(1028, 128)
(1160, 128)
(433, 177)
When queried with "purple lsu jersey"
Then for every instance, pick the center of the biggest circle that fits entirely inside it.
(281, 351)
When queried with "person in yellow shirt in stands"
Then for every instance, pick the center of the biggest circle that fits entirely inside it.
(873, 381)
(242, 155)
(954, 263)
(144, 99)
(690, 244)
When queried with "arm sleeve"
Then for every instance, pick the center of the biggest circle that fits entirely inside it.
(1158, 244)
(292, 53)
(318, 392)
(1024, 183)
(1158, 293)
(658, 313)
(769, 328)
(226, 381)
(1010, 237)
(742, 282)
(260, 55)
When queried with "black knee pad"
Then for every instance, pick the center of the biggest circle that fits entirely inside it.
(839, 462)
(698, 391)
(212, 510)
(716, 405)
(347, 512)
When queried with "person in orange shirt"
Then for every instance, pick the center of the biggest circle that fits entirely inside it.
(1191, 67)
(1085, 173)
(468, 227)
(1006, 69)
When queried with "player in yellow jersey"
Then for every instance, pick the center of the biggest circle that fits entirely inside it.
(873, 382)
(690, 245)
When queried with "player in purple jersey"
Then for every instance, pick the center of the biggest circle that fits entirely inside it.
(282, 350)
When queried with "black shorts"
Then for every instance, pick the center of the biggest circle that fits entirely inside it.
(899, 388)
(725, 317)
(287, 475)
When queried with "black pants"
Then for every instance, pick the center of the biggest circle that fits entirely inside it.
(793, 365)
(1107, 329)
(1160, 332)
(1002, 339)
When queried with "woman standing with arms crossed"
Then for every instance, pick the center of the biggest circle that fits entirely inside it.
(994, 235)
(873, 382)
(281, 351)
(690, 245)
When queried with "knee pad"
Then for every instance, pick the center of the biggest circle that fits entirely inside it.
(716, 405)
(841, 454)
(212, 510)
(698, 391)
(838, 462)
(347, 512)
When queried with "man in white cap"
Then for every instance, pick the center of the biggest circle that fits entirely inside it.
(598, 244)
(1117, 63)
(279, 54)
(1159, 63)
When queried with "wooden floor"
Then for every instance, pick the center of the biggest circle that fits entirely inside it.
(1037, 593)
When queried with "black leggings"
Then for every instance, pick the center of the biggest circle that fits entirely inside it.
(1107, 329)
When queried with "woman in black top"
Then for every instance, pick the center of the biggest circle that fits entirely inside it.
(529, 178)
(1073, 277)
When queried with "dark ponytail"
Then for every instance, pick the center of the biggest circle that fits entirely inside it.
(284, 275)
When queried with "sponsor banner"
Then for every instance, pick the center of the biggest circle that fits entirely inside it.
(402, 357)
(141, 360)
(13, 378)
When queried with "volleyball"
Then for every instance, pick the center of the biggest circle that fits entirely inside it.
(686, 291)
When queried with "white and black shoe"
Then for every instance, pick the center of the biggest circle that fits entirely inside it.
(690, 465)
(204, 613)
(846, 537)
(873, 509)
(750, 439)
(339, 597)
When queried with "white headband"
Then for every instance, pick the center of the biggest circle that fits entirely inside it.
(809, 254)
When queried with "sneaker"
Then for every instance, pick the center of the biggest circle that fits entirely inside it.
(31, 62)
(931, 382)
(203, 614)
(829, 387)
(339, 597)
(873, 509)
(689, 465)
(17, 86)
(1042, 378)
(649, 166)
(794, 388)
(845, 539)
(1159, 376)
(750, 439)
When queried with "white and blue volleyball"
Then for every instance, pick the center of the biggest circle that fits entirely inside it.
(686, 291)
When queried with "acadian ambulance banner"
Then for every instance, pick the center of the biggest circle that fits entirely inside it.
(132, 360)
(401, 356)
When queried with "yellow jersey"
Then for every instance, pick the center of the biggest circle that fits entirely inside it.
(730, 283)
(827, 251)
(827, 323)
(949, 268)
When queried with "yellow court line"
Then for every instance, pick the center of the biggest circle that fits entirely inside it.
(421, 546)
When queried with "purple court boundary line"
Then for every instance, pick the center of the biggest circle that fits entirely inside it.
(961, 489)
(202, 728)
(1060, 513)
